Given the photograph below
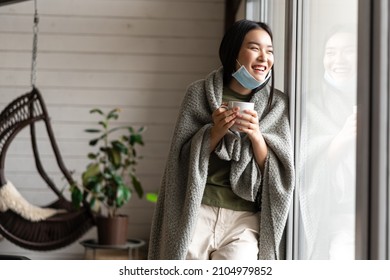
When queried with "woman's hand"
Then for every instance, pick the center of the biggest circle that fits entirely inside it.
(248, 122)
(223, 119)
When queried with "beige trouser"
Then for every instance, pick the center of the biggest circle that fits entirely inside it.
(223, 234)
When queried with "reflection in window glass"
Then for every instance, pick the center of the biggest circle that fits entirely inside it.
(327, 176)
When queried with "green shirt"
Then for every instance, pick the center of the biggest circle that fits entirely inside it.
(218, 192)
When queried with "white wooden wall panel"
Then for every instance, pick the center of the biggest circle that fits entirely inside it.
(109, 62)
(139, 55)
(52, 24)
(110, 44)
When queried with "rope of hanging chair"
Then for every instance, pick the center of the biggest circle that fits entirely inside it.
(35, 45)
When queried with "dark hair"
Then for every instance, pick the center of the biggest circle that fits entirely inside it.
(349, 29)
(231, 44)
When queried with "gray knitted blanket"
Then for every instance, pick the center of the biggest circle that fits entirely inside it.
(185, 175)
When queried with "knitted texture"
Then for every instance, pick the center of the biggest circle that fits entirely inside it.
(185, 175)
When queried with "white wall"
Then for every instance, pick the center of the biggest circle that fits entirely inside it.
(136, 54)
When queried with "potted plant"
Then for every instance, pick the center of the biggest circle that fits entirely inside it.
(110, 179)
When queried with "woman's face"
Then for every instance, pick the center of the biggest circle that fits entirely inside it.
(256, 53)
(340, 56)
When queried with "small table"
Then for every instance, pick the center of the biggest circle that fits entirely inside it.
(128, 251)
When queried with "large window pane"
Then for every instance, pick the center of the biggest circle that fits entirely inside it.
(273, 13)
(326, 189)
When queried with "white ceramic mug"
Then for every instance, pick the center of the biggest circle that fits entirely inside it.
(243, 106)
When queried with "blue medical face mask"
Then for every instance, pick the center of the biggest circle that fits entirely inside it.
(247, 80)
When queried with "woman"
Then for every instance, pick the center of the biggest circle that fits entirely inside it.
(327, 197)
(218, 178)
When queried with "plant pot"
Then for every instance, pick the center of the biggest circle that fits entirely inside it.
(112, 230)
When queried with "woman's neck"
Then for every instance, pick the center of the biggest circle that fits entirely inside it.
(237, 87)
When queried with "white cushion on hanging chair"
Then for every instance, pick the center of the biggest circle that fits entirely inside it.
(11, 199)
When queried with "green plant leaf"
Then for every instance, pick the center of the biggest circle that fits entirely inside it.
(92, 202)
(76, 196)
(109, 193)
(123, 195)
(114, 157)
(92, 155)
(107, 174)
(103, 124)
(93, 170)
(137, 186)
(152, 197)
(93, 183)
(136, 138)
(96, 110)
(119, 146)
(92, 130)
(113, 114)
(117, 179)
(93, 142)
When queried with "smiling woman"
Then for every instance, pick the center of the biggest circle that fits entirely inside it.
(220, 184)
(256, 53)
(327, 190)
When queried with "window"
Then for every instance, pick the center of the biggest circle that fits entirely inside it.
(333, 57)
(326, 188)
(261, 11)
(321, 83)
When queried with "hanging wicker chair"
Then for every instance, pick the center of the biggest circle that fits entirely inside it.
(64, 224)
